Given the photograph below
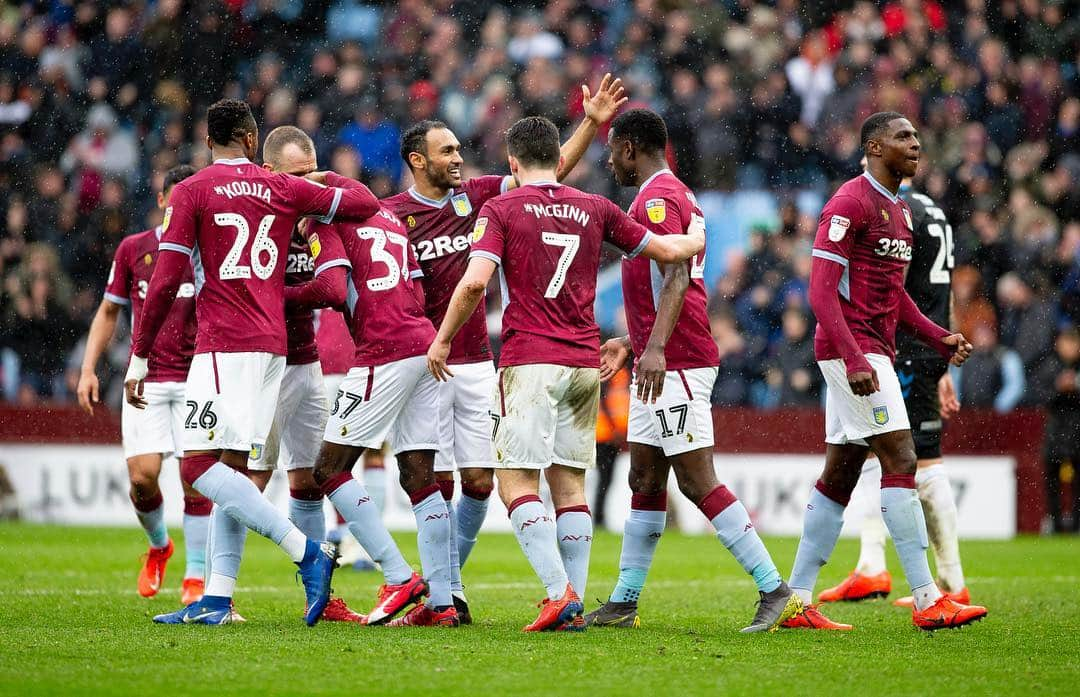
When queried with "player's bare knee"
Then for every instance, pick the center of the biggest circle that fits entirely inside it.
(477, 479)
(647, 481)
(416, 469)
(333, 459)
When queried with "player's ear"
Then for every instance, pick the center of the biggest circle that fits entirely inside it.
(209, 143)
(416, 160)
(562, 161)
(514, 166)
(161, 199)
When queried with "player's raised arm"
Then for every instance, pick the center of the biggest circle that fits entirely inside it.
(599, 109)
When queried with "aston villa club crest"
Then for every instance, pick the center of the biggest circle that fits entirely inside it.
(256, 451)
(907, 219)
(881, 415)
(885, 215)
(461, 204)
(410, 221)
(656, 209)
(147, 259)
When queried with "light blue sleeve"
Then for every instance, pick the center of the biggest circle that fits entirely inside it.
(1013, 382)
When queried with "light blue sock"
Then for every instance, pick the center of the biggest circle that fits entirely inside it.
(821, 529)
(737, 533)
(574, 529)
(641, 535)
(375, 483)
(535, 532)
(455, 561)
(470, 514)
(433, 543)
(308, 516)
(356, 506)
(153, 523)
(227, 536)
(241, 499)
(196, 532)
(903, 514)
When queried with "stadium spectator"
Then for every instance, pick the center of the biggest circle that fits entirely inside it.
(97, 100)
(1057, 387)
(994, 375)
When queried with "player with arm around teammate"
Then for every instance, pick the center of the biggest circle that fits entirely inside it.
(671, 425)
(232, 222)
(440, 211)
(546, 239)
(152, 433)
(860, 255)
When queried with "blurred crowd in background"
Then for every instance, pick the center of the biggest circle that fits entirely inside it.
(99, 99)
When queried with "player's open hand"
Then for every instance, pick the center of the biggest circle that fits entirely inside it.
(651, 368)
(613, 356)
(87, 392)
(946, 391)
(864, 383)
(437, 354)
(962, 348)
(601, 107)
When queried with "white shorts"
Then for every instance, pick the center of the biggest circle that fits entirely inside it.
(159, 428)
(235, 396)
(681, 419)
(850, 418)
(397, 401)
(297, 432)
(544, 414)
(465, 418)
(331, 383)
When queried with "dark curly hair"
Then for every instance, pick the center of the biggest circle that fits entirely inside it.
(229, 120)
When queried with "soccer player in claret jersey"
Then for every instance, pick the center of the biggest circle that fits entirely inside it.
(671, 423)
(439, 211)
(930, 397)
(154, 432)
(233, 221)
(388, 394)
(546, 239)
(860, 255)
(300, 418)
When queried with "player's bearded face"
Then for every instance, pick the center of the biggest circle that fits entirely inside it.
(618, 162)
(443, 161)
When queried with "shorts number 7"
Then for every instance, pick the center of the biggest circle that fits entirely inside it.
(679, 409)
(354, 400)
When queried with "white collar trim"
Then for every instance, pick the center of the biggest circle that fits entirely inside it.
(654, 176)
(433, 202)
(880, 187)
(232, 161)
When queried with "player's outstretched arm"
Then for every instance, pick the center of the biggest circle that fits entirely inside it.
(599, 109)
(652, 364)
(467, 295)
(160, 295)
(328, 289)
(672, 249)
(825, 276)
(335, 198)
(101, 331)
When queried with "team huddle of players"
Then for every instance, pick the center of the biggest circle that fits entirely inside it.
(225, 365)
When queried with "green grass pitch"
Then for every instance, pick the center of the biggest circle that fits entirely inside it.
(72, 623)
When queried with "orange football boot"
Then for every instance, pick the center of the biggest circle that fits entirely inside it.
(393, 599)
(153, 570)
(947, 614)
(961, 596)
(556, 613)
(811, 618)
(337, 611)
(858, 587)
(191, 591)
(423, 616)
